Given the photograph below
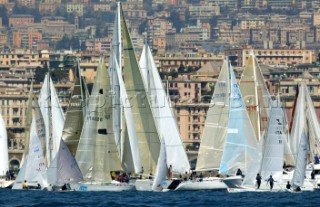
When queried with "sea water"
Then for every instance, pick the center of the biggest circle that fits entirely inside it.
(15, 198)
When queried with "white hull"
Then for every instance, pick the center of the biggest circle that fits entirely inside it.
(6, 183)
(235, 187)
(233, 182)
(146, 185)
(211, 183)
(113, 186)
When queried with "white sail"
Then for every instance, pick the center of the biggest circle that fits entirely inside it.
(313, 127)
(4, 159)
(132, 153)
(272, 162)
(161, 171)
(97, 153)
(215, 128)
(148, 137)
(44, 103)
(113, 70)
(34, 168)
(254, 167)
(241, 142)
(57, 117)
(287, 154)
(163, 115)
(256, 96)
(298, 123)
(301, 137)
(76, 113)
(28, 121)
(63, 168)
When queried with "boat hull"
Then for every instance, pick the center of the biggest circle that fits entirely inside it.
(102, 186)
(146, 185)
(6, 183)
(212, 183)
(233, 182)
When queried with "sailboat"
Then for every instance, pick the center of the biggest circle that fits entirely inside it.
(123, 122)
(4, 158)
(176, 156)
(97, 154)
(63, 168)
(146, 129)
(214, 135)
(270, 157)
(53, 118)
(241, 142)
(301, 137)
(33, 169)
(256, 96)
(76, 112)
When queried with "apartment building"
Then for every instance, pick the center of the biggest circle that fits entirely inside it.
(101, 7)
(20, 20)
(75, 8)
(240, 56)
(203, 10)
(27, 3)
(169, 61)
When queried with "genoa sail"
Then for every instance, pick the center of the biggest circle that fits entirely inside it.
(241, 143)
(163, 115)
(97, 153)
(215, 128)
(4, 157)
(148, 137)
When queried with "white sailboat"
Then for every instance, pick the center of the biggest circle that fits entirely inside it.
(123, 122)
(63, 168)
(33, 170)
(270, 160)
(176, 156)
(303, 129)
(97, 154)
(53, 118)
(214, 135)
(144, 123)
(4, 157)
(161, 171)
(241, 143)
(76, 112)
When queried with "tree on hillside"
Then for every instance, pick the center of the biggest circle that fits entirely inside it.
(40, 73)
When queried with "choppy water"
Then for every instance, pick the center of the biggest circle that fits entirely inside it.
(21, 198)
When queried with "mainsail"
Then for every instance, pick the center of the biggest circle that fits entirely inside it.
(300, 139)
(215, 128)
(53, 117)
(148, 137)
(63, 168)
(313, 127)
(272, 161)
(255, 96)
(97, 153)
(28, 124)
(163, 115)
(161, 171)
(241, 142)
(4, 159)
(115, 57)
(34, 168)
(130, 149)
(75, 113)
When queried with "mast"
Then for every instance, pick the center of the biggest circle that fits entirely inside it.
(256, 94)
(50, 122)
